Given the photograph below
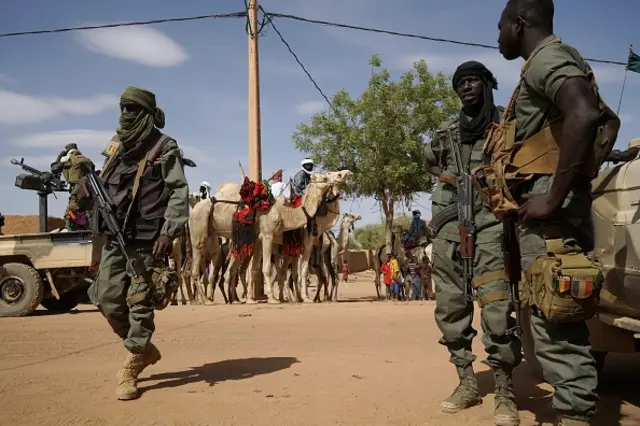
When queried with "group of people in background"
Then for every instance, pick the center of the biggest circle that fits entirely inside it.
(415, 285)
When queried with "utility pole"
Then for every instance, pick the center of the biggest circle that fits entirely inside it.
(255, 150)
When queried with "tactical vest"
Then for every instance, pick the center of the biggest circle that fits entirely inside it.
(138, 191)
(513, 164)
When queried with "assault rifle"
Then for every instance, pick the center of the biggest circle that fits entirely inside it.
(106, 208)
(513, 269)
(466, 220)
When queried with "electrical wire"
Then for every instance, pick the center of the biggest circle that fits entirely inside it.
(268, 17)
(125, 24)
(409, 35)
(288, 46)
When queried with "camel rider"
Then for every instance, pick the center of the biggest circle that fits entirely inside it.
(417, 230)
(278, 187)
(303, 177)
(205, 190)
(1, 223)
(144, 176)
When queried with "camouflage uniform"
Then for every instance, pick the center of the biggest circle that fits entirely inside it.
(453, 314)
(160, 209)
(562, 348)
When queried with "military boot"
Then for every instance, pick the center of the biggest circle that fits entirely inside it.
(506, 411)
(134, 365)
(466, 394)
(562, 420)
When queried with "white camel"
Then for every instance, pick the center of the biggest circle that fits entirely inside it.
(213, 218)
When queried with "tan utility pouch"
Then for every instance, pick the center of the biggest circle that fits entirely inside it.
(565, 287)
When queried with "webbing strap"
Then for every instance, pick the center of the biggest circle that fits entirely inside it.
(487, 278)
(492, 297)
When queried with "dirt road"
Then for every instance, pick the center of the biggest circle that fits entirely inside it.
(361, 363)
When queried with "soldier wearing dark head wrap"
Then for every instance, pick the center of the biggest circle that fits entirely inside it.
(474, 84)
(144, 176)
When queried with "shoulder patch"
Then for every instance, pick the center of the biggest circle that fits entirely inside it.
(113, 146)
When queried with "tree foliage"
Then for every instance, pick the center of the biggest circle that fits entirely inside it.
(379, 134)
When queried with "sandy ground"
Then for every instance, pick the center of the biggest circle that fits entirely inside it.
(360, 363)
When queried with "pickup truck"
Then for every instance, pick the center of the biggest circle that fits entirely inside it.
(616, 220)
(52, 269)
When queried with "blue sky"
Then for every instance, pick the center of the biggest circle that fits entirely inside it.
(59, 88)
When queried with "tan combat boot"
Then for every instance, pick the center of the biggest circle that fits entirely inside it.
(466, 394)
(506, 411)
(562, 420)
(134, 365)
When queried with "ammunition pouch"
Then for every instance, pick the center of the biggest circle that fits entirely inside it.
(157, 284)
(565, 285)
(165, 284)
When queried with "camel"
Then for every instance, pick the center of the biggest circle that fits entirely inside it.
(212, 218)
(339, 248)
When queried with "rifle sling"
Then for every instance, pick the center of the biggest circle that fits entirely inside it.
(492, 297)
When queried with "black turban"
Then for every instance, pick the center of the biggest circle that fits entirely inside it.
(474, 68)
(473, 129)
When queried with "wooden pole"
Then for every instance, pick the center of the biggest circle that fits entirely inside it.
(255, 150)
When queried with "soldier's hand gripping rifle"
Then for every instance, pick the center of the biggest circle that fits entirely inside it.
(106, 208)
(466, 220)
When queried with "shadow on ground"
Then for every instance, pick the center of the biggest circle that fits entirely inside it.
(222, 371)
(618, 386)
(45, 312)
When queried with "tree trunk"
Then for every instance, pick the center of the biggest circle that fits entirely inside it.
(388, 205)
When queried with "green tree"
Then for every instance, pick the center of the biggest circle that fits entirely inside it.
(378, 135)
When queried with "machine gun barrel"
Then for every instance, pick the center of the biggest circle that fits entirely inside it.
(49, 181)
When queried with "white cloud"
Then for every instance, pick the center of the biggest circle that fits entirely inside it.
(198, 155)
(311, 107)
(144, 45)
(608, 73)
(16, 108)
(58, 139)
(627, 118)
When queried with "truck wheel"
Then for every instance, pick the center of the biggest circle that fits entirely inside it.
(21, 290)
(527, 345)
(67, 302)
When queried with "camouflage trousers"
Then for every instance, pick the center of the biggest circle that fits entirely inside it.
(454, 315)
(127, 306)
(562, 349)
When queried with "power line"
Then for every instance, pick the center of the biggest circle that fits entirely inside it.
(409, 35)
(126, 24)
(326, 98)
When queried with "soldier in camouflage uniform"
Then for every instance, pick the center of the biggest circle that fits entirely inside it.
(474, 84)
(555, 83)
(152, 208)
